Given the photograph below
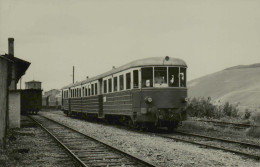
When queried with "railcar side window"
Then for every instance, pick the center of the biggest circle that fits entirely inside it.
(105, 86)
(110, 85)
(83, 91)
(115, 84)
(160, 77)
(88, 90)
(183, 77)
(128, 80)
(92, 89)
(95, 88)
(136, 79)
(147, 77)
(173, 77)
(121, 82)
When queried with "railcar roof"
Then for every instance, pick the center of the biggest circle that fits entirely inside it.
(153, 61)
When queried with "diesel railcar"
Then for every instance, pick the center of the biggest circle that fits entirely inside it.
(149, 92)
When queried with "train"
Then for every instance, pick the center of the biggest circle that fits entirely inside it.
(146, 93)
(31, 101)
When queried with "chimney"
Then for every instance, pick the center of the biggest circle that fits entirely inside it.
(11, 46)
(11, 56)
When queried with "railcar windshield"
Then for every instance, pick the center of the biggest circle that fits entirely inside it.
(147, 77)
(182, 77)
(160, 77)
(163, 77)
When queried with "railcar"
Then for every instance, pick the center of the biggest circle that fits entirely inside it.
(31, 101)
(149, 92)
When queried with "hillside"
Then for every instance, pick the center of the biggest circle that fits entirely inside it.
(239, 84)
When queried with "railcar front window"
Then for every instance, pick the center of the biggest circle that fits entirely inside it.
(173, 76)
(183, 77)
(160, 77)
(147, 77)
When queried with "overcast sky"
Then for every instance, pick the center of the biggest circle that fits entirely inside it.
(94, 35)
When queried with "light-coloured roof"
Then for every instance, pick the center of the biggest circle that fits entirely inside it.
(153, 61)
(33, 81)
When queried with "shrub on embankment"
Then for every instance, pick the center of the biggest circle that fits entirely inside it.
(204, 108)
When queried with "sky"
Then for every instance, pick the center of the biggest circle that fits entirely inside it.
(95, 35)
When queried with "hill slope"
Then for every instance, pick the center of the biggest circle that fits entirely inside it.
(239, 84)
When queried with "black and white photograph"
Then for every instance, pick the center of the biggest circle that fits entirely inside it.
(129, 83)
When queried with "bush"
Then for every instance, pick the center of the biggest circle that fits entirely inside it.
(247, 114)
(203, 107)
(255, 116)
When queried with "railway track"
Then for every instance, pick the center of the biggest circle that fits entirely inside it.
(240, 148)
(86, 150)
(230, 124)
(252, 150)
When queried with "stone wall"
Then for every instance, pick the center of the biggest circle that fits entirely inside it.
(3, 99)
(14, 109)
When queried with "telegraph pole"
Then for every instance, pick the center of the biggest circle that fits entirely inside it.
(73, 73)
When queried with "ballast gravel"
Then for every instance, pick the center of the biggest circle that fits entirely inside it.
(157, 150)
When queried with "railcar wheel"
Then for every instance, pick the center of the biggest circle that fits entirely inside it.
(172, 126)
(130, 123)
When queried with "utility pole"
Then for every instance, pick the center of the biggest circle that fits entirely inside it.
(73, 73)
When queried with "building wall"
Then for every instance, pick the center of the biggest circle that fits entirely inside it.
(3, 99)
(14, 109)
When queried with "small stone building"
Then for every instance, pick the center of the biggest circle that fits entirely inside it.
(33, 85)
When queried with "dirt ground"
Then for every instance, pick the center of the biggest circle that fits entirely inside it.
(31, 146)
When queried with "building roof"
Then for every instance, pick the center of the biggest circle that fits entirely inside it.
(33, 81)
(20, 65)
(153, 61)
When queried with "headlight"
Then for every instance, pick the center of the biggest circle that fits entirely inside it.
(148, 99)
(186, 99)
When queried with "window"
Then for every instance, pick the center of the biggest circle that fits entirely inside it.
(88, 90)
(173, 76)
(182, 77)
(95, 88)
(105, 86)
(110, 85)
(136, 79)
(121, 82)
(79, 92)
(92, 89)
(128, 80)
(115, 84)
(83, 91)
(147, 77)
(160, 77)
